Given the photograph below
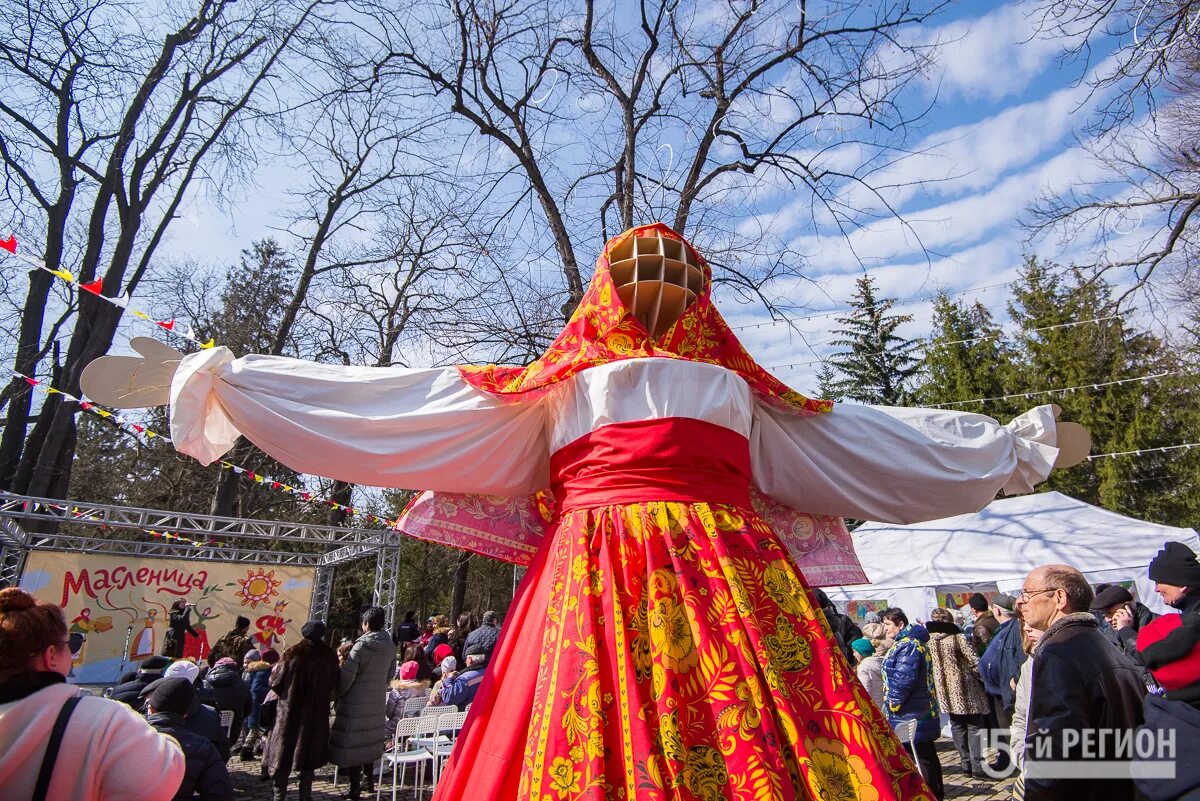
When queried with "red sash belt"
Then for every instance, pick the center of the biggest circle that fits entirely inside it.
(670, 459)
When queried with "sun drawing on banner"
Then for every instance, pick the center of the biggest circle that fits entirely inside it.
(257, 588)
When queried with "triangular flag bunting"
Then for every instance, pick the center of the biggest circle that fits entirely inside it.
(141, 315)
(33, 382)
(9, 244)
(122, 301)
(150, 433)
(138, 428)
(95, 287)
(208, 344)
(168, 324)
(64, 275)
(87, 407)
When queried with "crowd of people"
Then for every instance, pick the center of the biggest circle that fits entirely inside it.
(1045, 678)
(1014, 674)
(181, 721)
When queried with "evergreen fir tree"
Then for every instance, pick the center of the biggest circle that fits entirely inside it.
(966, 357)
(875, 363)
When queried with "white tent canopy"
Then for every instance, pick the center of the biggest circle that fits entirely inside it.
(1000, 545)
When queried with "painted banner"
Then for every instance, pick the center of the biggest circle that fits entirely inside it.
(857, 610)
(955, 596)
(119, 604)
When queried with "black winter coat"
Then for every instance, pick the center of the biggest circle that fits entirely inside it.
(305, 680)
(1126, 640)
(845, 631)
(131, 691)
(225, 690)
(1179, 722)
(1080, 682)
(205, 776)
(178, 623)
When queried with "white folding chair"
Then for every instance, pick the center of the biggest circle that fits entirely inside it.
(906, 732)
(405, 752)
(413, 705)
(449, 725)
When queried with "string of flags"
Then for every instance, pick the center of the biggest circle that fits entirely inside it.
(258, 478)
(76, 512)
(96, 287)
(1061, 391)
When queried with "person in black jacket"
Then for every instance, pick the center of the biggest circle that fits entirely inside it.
(1124, 618)
(149, 670)
(845, 630)
(199, 718)
(1170, 648)
(408, 631)
(225, 690)
(205, 777)
(180, 622)
(1083, 689)
(1175, 572)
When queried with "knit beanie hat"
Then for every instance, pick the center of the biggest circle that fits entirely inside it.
(270, 656)
(182, 669)
(251, 656)
(1176, 565)
(863, 646)
(449, 665)
(172, 695)
(442, 651)
(408, 671)
(1170, 648)
(226, 661)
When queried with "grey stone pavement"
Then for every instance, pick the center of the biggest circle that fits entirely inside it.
(248, 787)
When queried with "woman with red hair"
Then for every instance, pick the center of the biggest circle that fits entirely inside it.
(98, 741)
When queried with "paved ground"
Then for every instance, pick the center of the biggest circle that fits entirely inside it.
(250, 788)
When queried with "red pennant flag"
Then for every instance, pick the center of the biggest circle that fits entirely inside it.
(251, 474)
(9, 244)
(94, 286)
(275, 485)
(138, 428)
(169, 325)
(87, 407)
(306, 496)
(33, 382)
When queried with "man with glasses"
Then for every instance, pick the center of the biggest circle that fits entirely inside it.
(1083, 690)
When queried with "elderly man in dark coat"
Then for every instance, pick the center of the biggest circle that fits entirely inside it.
(358, 728)
(1083, 689)
(305, 680)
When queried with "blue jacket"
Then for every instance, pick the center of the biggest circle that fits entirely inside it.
(258, 676)
(908, 687)
(989, 660)
(461, 689)
(205, 777)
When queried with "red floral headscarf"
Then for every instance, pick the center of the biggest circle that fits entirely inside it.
(603, 330)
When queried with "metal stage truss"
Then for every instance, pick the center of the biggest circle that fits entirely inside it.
(71, 527)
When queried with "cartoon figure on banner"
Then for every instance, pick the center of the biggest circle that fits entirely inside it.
(83, 625)
(197, 647)
(271, 628)
(143, 643)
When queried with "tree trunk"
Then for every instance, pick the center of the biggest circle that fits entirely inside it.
(458, 598)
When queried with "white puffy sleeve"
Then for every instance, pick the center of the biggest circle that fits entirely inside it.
(898, 465)
(381, 426)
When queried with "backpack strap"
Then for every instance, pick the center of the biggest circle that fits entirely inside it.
(51, 756)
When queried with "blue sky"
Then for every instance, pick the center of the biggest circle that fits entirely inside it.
(1004, 113)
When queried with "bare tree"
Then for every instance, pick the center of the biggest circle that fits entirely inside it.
(588, 104)
(1144, 133)
(172, 110)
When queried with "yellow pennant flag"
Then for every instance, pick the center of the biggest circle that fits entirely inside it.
(208, 344)
(141, 315)
(64, 275)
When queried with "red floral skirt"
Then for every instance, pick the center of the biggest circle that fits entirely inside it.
(670, 649)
